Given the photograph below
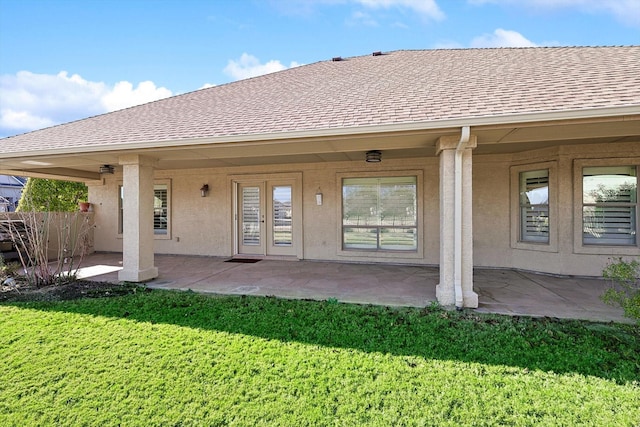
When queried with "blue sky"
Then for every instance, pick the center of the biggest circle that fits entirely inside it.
(62, 60)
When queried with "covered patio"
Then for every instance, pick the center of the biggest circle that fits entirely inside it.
(501, 291)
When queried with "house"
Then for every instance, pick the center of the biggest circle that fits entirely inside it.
(518, 158)
(10, 192)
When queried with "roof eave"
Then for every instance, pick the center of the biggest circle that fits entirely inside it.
(447, 125)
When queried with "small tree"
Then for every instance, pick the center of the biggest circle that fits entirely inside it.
(625, 289)
(47, 222)
(41, 195)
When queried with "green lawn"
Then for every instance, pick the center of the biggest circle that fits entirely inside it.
(178, 359)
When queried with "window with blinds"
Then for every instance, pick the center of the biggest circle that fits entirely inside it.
(534, 206)
(251, 216)
(160, 209)
(379, 214)
(609, 205)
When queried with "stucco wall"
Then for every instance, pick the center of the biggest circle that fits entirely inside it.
(495, 214)
(204, 225)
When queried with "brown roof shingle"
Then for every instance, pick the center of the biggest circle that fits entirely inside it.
(397, 87)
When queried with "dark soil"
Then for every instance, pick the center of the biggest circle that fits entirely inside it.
(74, 290)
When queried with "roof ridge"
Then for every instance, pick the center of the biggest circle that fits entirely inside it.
(445, 49)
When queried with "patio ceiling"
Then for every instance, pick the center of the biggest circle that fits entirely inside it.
(335, 145)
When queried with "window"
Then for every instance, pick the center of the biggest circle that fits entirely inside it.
(609, 205)
(379, 214)
(160, 210)
(534, 206)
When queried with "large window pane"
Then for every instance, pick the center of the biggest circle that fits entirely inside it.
(534, 206)
(360, 238)
(609, 196)
(379, 213)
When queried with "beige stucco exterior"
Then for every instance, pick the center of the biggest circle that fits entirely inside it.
(464, 123)
(205, 225)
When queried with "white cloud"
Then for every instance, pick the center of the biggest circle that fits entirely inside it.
(31, 101)
(502, 38)
(18, 120)
(249, 66)
(206, 86)
(362, 18)
(426, 8)
(123, 95)
(627, 11)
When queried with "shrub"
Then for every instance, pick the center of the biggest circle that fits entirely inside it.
(42, 195)
(50, 245)
(625, 289)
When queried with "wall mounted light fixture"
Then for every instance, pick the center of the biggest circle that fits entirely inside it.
(373, 156)
(204, 190)
(319, 197)
(107, 169)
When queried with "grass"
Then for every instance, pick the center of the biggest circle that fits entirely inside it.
(162, 358)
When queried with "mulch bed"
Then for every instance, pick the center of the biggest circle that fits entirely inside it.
(68, 291)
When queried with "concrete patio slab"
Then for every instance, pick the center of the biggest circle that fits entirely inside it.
(500, 291)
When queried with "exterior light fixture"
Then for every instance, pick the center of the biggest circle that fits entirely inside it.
(319, 197)
(373, 156)
(107, 169)
(204, 190)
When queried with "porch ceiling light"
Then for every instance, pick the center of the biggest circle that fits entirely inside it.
(373, 156)
(204, 190)
(107, 169)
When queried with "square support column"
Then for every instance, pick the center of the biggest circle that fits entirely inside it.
(445, 292)
(456, 236)
(137, 219)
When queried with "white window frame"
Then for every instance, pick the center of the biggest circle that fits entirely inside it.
(157, 236)
(516, 226)
(418, 253)
(578, 241)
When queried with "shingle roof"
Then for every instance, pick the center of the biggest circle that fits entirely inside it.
(393, 88)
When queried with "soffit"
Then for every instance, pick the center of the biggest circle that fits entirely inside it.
(492, 139)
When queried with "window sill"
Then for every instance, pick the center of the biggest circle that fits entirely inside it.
(372, 255)
(155, 237)
(607, 250)
(533, 246)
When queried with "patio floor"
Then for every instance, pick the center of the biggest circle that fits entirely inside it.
(500, 291)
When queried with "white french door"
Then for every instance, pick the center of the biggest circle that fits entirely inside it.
(266, 218)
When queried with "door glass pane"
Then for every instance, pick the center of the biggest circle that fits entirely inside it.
(282, 227)
(251, 216)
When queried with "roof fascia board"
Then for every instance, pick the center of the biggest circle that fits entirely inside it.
(631, 112)
(62, 174)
